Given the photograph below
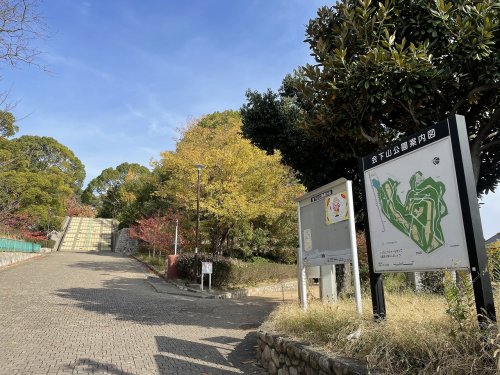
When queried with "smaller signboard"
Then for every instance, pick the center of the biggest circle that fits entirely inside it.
(324, 217)
(206, 267)
(327, 232)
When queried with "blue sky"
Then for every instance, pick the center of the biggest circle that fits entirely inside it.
(124, 75)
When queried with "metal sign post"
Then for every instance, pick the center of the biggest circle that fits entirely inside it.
(355, 265)
(176, 235)
(206, 268)
(300, 266)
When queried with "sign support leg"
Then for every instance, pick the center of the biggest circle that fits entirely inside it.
(354, 246)
(301, 269)
(328, 283)
(376, 285)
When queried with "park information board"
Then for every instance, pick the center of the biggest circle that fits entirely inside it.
(422, 213)
(413, 204)
(324, 219)
(327, 232)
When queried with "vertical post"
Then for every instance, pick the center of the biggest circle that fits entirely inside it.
(301, 268)
(209, 282)
(176, 233)
(202, 274)
(478, 261)
(376, 284)
(354, 246)
(328, 283)
(199, 167)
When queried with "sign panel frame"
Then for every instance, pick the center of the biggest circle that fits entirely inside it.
(327, 232)
(206, 267)
(325, 229)
(413, 205)
(454, 130)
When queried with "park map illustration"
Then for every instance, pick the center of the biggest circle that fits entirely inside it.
(419, 217)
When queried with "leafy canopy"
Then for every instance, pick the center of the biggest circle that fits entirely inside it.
(116, 190)
(381, 71)
(241, 186)
(38, 176)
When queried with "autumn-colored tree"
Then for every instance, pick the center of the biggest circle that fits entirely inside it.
(76, 208)
(242, 188)
(158, 232)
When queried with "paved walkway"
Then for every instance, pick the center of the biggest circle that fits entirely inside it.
(91, 313)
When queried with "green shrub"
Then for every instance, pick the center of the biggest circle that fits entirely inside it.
(395, 282)
(189, 267)
(493, 251)
(45, 243)
(157, 262)
(229, 272)
(432, 282)
(257, 259)
(248, 274)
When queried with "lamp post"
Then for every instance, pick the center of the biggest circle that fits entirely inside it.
(199, 167)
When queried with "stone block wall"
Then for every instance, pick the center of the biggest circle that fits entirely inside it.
(125, 244)
(283, 356)
(8, 258)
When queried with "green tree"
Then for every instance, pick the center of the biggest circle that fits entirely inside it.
(115, 189)
(384, 70)
(242, 188)
(42, 196)
(38, 175)
(45, 154)
(8, 125)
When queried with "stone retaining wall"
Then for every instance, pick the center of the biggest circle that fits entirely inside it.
(8, 258)
(278, 287)
(283, 356)
(125, 244)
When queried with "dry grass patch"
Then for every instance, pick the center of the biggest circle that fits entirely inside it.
(418, 337)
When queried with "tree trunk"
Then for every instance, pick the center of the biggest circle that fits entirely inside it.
(475, 154)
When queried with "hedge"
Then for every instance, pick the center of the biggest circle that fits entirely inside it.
(228, 272)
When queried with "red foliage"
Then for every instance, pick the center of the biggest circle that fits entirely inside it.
(159, 231)
(34, 236)
(20, 225)
(75, 208)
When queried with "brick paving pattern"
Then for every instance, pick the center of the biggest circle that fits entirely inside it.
(95, 313)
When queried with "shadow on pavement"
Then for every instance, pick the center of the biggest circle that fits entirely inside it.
(133, 299)
(106, 262)
(89, 366)
(200, 358)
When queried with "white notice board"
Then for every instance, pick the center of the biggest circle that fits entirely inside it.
(324, 219)
(414, 211)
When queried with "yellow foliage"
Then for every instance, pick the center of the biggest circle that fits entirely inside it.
(239, 182)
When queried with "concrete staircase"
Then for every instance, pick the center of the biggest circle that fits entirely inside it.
(88, 234)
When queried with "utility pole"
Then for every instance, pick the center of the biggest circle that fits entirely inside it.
(199, 167)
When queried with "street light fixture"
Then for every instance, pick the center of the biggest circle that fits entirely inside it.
(199, 167)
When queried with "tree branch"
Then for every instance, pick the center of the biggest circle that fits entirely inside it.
(408, 109)
(484, 130)
(489, 145)
(473, 92)
(368, 137)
